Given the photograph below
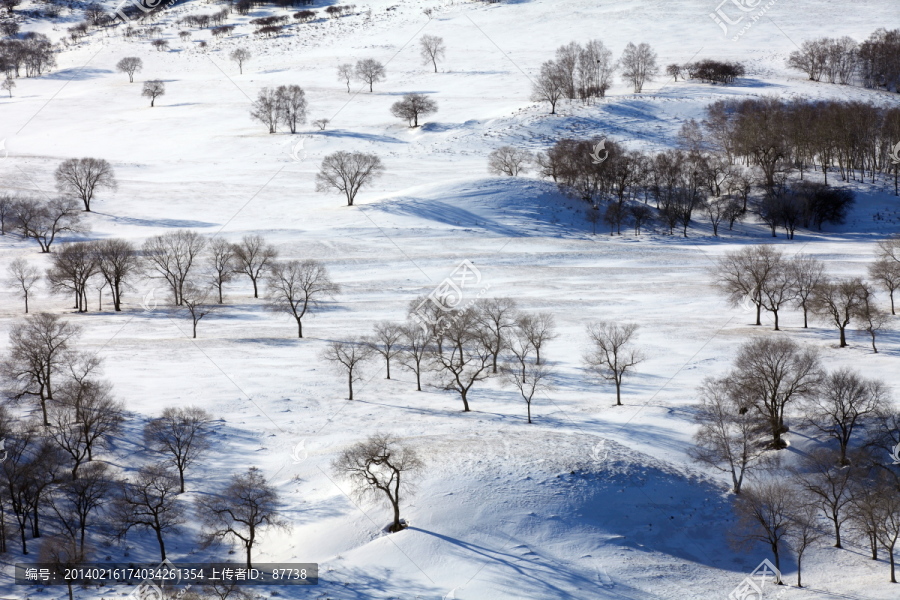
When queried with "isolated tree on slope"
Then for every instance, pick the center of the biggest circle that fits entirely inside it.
(381, 467)
(181, 434)
(153, 89)
(348, 172)
(431, 48)
(22, 277)
(508, 160)
(298, 288)
(369, 71)
(412, 106)
(349, 357)
(82, 177)
(612, 354)
(639, 65)
(130, 65)
(240, 56)
(245, 507)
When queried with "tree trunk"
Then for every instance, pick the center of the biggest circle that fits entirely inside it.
(463, 393)
(529, 410)
(162, 545)
(350, 383)
(843, 338)
(799, 567)
(299, 329)
(255, 290)
(758, 314)
(775, 312)
(418, 380)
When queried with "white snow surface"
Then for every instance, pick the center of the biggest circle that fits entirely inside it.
(589, 502)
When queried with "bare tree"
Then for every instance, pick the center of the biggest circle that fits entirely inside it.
(539, 328)
(728, 437)
(321, 123)
(253, 257)
(612, 353)
(764, 514)
(463, 355)
(349, 358)
(71, 269)
(803, 530)
(771, 374)
(61, 554)
(887, 273)
(265, 108)
(741, 275)
(413, 106)
(248, 505)
(298, 287)
(829, 485)
(508, 160)
(37, 355)
(431, 49)
(172, 256)
(160, 44)
(291, 105)
(83, 176)
(381, 467)
(872, 318)
(22, 276)
(148, 502)
(347, 173)
(838, 301)
(153, 89)
(97, 414)
(346, 73)
(76, 501)
(8, 84)
(240, 56)
(116, 260)
(496, 317)
(196, 300)
(43, 221)
(181, 435)
(523, 371)
(7, 211)
(386, 342)
(777, 289)
(638, 65)
(220, 264)
(369, 71)
(845, 401)
(415, 345)
(550, 85)
(130, 65)
(806, 272)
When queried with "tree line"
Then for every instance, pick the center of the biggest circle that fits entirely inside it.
(874, 63)
(765, 279)
(847, 480)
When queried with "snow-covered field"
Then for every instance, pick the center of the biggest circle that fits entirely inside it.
(590, 501)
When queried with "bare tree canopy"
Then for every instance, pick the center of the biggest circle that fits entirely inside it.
(349, 358)
(43, 221)
(172, 255)
(431, 49)
(240, 56)
(381, 468)
(612, 353)
(347, 173)
(181, 435)
(148, 502)
(550, 85)
(153, 89)
(246, 506)
(413, 106)
(639, 65)
(386, 340)
(38, 354)
(82, 177)
(130, 65)
(510, 161)
(22, 277)
(728, 437)
(369, 71)
(298, 287)
(253, 257)
(117, 261)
